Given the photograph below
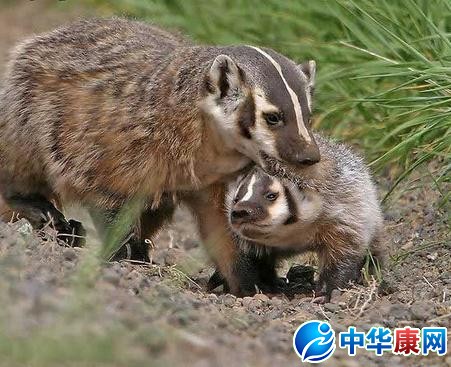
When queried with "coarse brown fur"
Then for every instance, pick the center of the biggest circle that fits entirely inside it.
(103, 112)
(6, 214)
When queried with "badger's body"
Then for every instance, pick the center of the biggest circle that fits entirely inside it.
(330, 208)
(93, 114)
(105, 111)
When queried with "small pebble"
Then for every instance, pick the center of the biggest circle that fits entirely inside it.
(276, 301)
(228, 300)
(335, 294)
(261, 297)
(69, 264)
(246, 301)
(69, 254)
(432, 256)
(112, 277)
(174, 256)
(254, 305)
(212, 297)
(24, 227)
(422, 310)
(331, 307)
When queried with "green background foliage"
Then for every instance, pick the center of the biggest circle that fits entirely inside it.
(384, 84)
(384, 67)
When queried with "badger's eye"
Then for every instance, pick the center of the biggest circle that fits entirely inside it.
(271, 196)
(273, 118)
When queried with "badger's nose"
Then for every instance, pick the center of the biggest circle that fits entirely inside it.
(309, 157)
(308, 161)
(239, 216)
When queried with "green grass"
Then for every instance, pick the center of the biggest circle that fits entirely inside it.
(384, 84)
(384, 66)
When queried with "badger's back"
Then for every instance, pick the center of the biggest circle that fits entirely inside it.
(76, 103)
(92, 46)
(350, 195)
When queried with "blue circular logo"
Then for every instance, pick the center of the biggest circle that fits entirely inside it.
(314, 341)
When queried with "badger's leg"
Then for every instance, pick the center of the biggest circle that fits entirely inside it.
(39, 211)
(257, 272)
(131, 247)
(257, 269)
(215, 281)
(135, 246)
(208, 207)
(152, 220)
(6, 213)
(270, 282)
(338, 272)
(247, 272)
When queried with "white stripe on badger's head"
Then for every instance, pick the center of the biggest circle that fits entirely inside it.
(250, 188)
(257, 100)
(262, 134)
(294, 98)
(309, 69)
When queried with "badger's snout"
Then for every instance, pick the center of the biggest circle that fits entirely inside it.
(240, 215)
(246, 212)
(299, 154)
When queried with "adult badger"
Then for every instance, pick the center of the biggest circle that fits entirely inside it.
(102, 112)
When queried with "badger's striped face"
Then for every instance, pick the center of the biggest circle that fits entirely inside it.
(261, 207)
(262, 101)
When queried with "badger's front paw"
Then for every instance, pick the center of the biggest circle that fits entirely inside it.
(300, 280)
(134, 249)
(250, 284)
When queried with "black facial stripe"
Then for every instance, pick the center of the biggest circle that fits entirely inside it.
(223, 82)
(242, 179)
(245, 132)
(296, 82)
(265, 181)
(301, 91)
(304, 109)
(242, 189)
(246, 117)
(291, 207)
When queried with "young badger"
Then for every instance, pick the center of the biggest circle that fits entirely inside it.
(103, 112)
(330, 208)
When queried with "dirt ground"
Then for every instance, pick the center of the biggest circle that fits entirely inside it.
(58, 308)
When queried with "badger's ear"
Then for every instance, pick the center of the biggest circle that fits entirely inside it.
(224, 77)
(309, 70)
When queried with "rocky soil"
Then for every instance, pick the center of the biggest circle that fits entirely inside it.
(61, 308)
